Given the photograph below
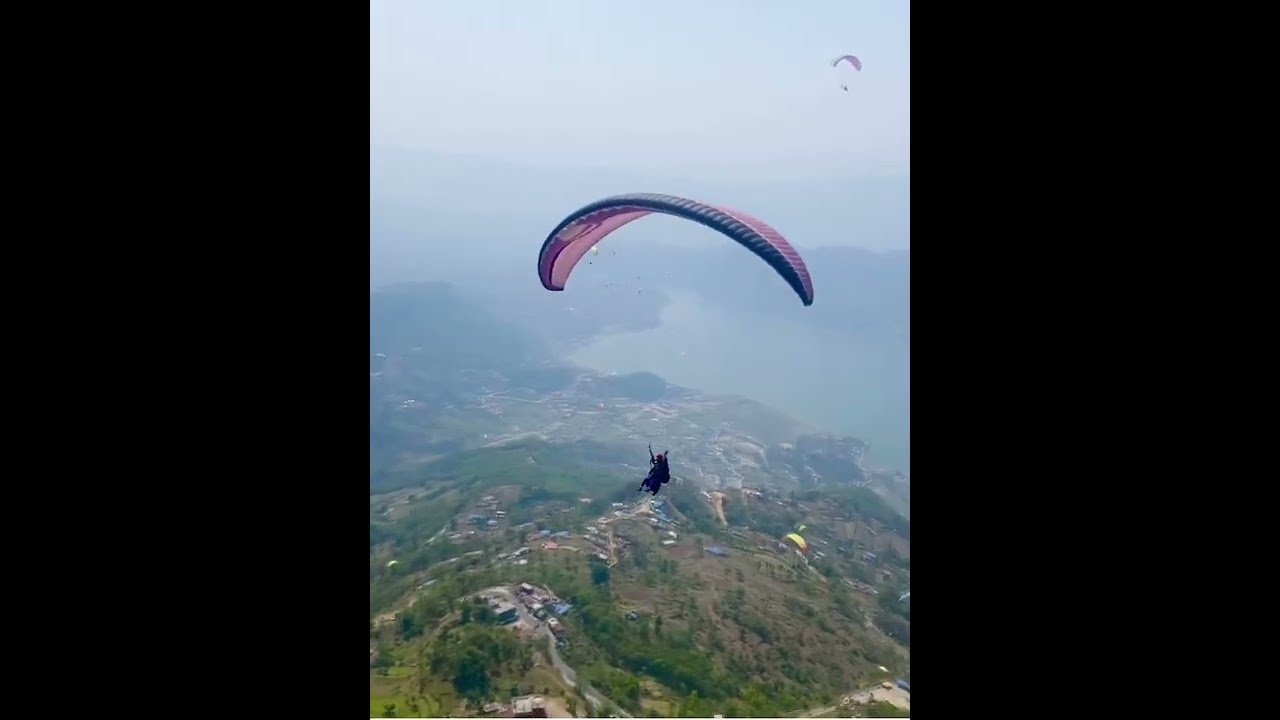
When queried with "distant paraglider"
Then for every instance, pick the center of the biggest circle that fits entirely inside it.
(584, 228)
(850, 60)
(798, 541)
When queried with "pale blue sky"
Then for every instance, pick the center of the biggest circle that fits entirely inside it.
(716, 87)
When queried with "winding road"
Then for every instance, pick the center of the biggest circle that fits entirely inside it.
(568, 674)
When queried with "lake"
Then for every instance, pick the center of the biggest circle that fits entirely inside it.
(838, 382)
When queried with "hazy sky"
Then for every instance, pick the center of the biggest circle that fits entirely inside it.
(719, 87)
(483, 114)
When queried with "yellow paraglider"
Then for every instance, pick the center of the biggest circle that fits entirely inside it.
(799, 541)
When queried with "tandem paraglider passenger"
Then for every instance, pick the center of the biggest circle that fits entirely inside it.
(659, 472)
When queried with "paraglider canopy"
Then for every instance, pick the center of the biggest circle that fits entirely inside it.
(855, 62)
(799, 542)
(580, 232)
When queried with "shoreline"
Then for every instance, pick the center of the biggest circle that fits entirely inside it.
(573, 348)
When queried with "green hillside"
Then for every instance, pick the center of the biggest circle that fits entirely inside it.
(657, 630)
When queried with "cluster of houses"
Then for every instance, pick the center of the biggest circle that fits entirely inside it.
(489, 518)
(506, 612)
(517, 556)
(522, 706)
(551, 540)
(549, 536)
(544, 606)
(599, 543)
(660, 510)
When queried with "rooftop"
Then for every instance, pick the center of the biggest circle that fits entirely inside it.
(529, 705)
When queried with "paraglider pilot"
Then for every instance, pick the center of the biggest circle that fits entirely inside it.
(659, 472)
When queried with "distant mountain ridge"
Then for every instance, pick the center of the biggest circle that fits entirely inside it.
(448, 326)
(481, 221)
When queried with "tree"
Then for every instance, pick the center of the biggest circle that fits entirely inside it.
(689, 708)
(472, 677)
(571, 704)
(599, 574)
(409, 627)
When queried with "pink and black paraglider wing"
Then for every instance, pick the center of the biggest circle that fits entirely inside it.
(849, 59)
(582, 230)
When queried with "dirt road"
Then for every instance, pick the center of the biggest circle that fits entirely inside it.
(557, 709)
(613, 551)
(717, 499)
(442, 531)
